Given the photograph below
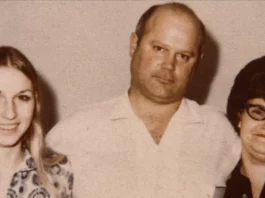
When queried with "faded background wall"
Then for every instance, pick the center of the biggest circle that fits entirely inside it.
(80, 48)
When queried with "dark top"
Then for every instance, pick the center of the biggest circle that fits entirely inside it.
(239, 186)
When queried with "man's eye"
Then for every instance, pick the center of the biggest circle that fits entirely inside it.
(24, 98)
(158, 48)
(183, 57)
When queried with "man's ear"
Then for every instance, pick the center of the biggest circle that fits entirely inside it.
(133, 43)
(201, 52)
(202, 55)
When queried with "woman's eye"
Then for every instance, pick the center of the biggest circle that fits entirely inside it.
(24, 98)
(258, 112)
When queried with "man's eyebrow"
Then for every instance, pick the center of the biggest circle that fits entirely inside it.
(191, 53)
(158, 42)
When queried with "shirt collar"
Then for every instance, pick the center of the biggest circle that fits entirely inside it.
(237, 175)
(122, 109)
(188, 110)
(238, 179)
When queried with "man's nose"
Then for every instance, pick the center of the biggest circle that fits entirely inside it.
(8, 110)
(169, 62)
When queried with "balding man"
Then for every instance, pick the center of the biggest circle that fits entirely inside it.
(152, 142)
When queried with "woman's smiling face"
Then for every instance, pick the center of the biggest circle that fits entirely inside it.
(252, 129)
(17, 104)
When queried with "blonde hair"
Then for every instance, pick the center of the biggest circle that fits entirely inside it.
(33, 139)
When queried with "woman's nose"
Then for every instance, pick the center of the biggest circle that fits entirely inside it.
(8, 110)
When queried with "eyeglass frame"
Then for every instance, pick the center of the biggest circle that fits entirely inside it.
(249, 105)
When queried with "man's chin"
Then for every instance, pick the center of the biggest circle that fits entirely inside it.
(163, 99)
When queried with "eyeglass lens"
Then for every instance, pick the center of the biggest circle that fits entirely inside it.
(257, 112)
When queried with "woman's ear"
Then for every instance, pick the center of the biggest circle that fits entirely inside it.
(239, 124)
(239, 115)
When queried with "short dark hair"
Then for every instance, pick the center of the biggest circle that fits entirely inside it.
(141, 25)
(248, 84)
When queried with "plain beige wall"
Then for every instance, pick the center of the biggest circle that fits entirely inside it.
(80, 48)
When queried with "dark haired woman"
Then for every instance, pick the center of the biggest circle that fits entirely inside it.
(246, 111)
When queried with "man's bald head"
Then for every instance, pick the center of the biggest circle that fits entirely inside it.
(178, 8)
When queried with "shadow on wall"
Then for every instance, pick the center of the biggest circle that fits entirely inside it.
(199, 87)
(49, 114)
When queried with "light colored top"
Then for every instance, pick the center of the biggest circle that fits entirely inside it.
(25, 182)
(114, 156)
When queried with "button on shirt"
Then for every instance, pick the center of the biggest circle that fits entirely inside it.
(113, 155)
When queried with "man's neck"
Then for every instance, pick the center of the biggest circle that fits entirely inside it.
(155, 116)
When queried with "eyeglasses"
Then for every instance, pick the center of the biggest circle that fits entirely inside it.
(255, 111)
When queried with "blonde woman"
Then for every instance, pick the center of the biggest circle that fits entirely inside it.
(28, 169)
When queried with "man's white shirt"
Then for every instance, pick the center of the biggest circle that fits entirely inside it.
(113, 155)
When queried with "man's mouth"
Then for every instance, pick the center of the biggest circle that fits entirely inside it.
(165, 80)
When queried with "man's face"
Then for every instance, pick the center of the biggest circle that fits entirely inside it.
(163, 61)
